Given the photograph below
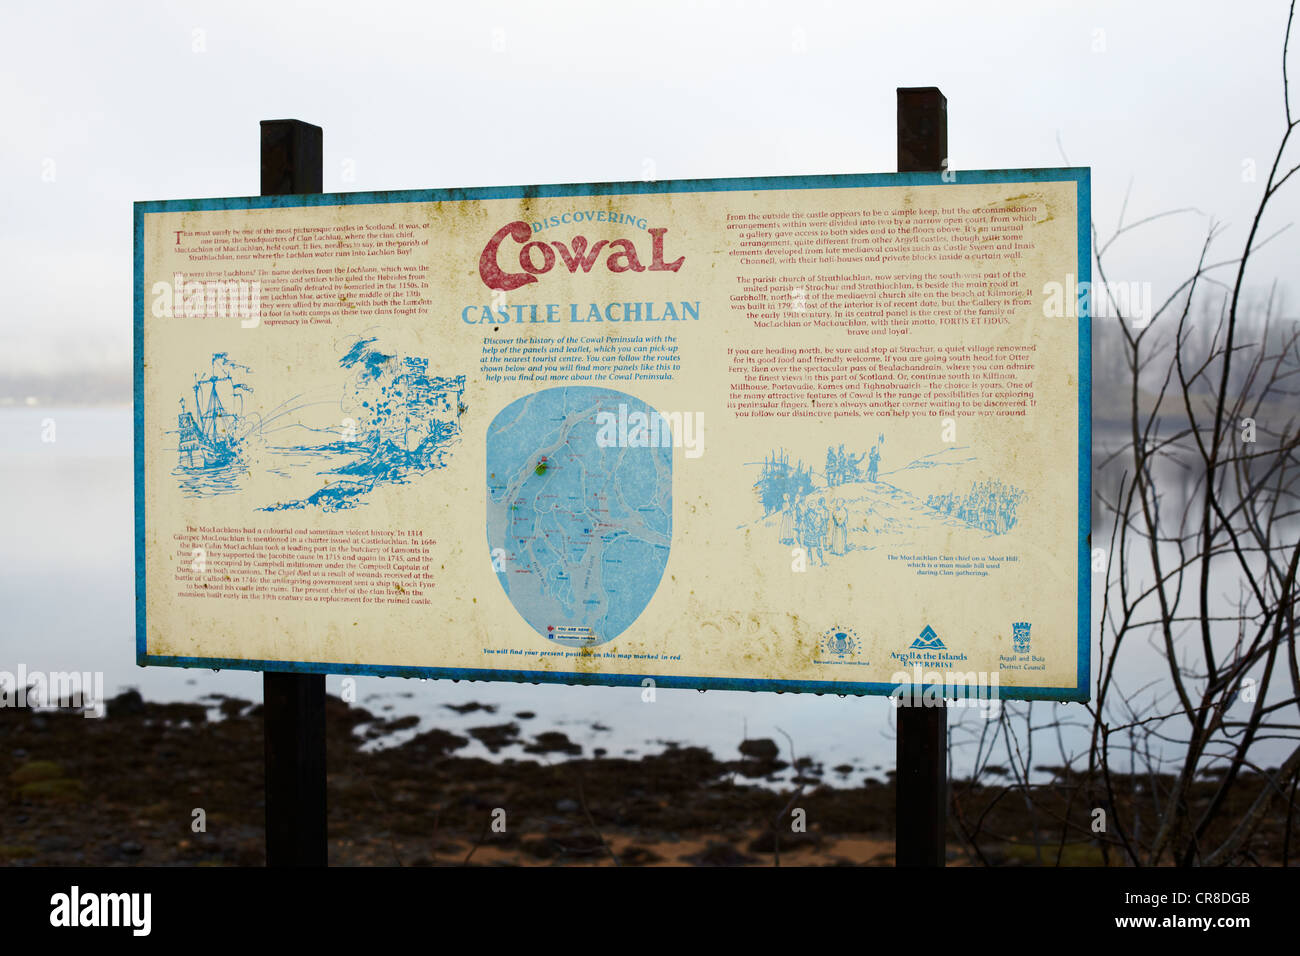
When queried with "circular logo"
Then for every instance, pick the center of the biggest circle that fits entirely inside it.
(840, 642)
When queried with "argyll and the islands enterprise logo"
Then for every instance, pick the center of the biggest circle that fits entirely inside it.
(928, 640)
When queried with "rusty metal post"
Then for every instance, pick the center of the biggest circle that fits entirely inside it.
(293, 705)
(921, 769)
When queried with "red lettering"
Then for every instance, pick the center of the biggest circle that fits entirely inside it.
(577, 255)
(657, 253)
(526, 258)
(491, 273)
(575, 259)
(627, 253)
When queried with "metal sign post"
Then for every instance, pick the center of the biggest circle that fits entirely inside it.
(921, 777)
(293, 705)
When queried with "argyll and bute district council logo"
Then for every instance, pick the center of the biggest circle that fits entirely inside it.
(841, 642)
(1020, 636)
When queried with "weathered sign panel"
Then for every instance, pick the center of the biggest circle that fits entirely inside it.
(823, 433)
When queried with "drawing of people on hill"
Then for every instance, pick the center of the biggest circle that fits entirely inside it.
(989, 505)
(812, 530)
(781, 479)
(842, 466)
(850, 469)
(847, 512)
(839, 527)
(787, 521)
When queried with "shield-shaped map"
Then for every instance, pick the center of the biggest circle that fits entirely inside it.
(579, 509)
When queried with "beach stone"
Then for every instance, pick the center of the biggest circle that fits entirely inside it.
(553, 741)
(637, 855)
(763, 748)
(765, 842)
(720, 854)
(127, 702)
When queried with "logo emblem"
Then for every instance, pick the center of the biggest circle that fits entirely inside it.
(841, 641)
(1020, 636)
(928, 640)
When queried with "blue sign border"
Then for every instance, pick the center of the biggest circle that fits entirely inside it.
(1081, 176)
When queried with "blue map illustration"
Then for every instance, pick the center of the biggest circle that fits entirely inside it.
(851, 505)
(579, 515)
(388, 419)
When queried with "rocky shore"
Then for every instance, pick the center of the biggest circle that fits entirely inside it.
(167, 784)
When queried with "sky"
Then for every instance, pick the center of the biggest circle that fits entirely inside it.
(1176, 103)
